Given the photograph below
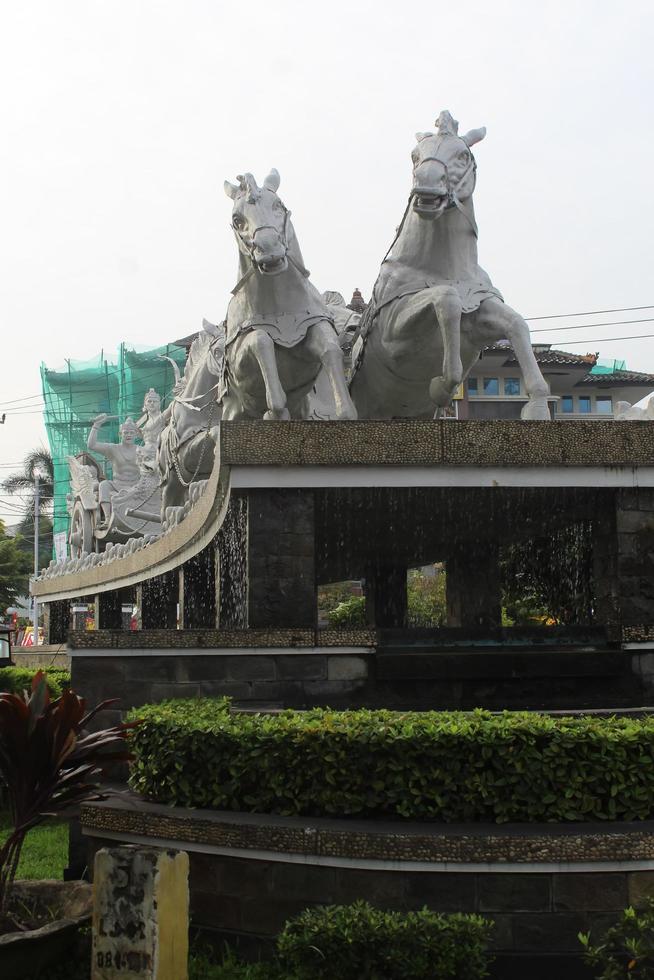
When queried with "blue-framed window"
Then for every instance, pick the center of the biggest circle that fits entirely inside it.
(604, 405)
(567, 404)
(491, 386)
(512, 386)
(473, 386)
(585, 407)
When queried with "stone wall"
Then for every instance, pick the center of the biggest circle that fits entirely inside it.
(541, 885)
(283, 677)
(281, 563)
(427, 443)
(48, 655)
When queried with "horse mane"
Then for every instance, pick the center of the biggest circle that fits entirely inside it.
(197, 353)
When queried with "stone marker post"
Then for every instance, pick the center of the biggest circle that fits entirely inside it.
(140, 914)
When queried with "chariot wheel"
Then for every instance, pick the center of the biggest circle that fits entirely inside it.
(80, 537)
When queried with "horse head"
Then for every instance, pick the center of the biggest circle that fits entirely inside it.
(260, 222)
(444, 169)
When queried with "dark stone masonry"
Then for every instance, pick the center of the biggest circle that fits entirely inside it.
(250, 891)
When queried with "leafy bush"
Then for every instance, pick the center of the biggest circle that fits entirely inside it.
(349, 613)
(426, 598)
(443, 766)
(48, 762)
(359, 942)
(15, 680)
(202, 966)
(627, 948)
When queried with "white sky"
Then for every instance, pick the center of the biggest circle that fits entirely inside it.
(121, 119)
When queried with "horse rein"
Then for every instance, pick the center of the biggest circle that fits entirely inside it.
(373, 309)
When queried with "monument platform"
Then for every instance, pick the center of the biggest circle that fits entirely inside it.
(541, 883)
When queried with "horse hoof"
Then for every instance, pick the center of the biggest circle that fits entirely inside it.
(279, 415)
(537, 410)
(440, 392)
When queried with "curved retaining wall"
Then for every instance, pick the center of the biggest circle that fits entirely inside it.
(541, 884)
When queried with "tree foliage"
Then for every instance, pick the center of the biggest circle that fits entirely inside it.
(15, 566)
(24, 482)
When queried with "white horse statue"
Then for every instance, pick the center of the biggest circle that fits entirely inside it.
(433, 307)
(188, 442)
(280, 334)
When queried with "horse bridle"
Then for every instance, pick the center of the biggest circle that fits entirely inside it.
(249, 246)
(451, 195)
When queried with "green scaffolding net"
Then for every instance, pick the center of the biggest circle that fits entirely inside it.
(80, 390)
(606, 366)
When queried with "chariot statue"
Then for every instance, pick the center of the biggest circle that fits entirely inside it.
(111, 511)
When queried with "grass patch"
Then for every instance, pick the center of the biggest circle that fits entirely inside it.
(45, 852)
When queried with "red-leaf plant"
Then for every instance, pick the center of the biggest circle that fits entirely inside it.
(49, 762)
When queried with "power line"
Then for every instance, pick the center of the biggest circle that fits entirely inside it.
(590, 326)
(558, 316)
(609, 340)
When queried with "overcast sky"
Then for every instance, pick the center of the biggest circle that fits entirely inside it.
(121, 119)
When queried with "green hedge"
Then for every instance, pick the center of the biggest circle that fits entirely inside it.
(441, 766)
(15, 680)
(358, 942)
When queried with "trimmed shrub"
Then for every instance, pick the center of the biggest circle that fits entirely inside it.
(441, 766)
(202, 966)
(359, 942)
(626, 949)
(15, 680)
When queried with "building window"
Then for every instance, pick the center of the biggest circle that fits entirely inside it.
(472, 386)
(512, 386)
(491, 386)
(604, 405)
(584, 405)
(567, 404)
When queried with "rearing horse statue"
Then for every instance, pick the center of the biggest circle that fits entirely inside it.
(433, 307)
(280, 334)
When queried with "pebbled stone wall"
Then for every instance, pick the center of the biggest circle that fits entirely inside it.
(424, 443)
(538, 907)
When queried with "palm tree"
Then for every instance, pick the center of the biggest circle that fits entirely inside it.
(24, 483)
(38, 460)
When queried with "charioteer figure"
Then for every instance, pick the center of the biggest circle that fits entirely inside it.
(122, 457)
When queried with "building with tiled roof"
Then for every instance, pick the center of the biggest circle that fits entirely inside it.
(580, 385)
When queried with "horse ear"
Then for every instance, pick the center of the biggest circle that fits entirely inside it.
(474, 136)
(211, 328)
(231, 190)
(421, 136)
(272, 181)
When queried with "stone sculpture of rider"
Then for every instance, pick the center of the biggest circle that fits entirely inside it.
(153, 421)
(123, 459)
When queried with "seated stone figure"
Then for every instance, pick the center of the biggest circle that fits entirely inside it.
(122, 457)
(153, 421)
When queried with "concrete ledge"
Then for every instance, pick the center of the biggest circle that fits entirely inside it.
(50, 655)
